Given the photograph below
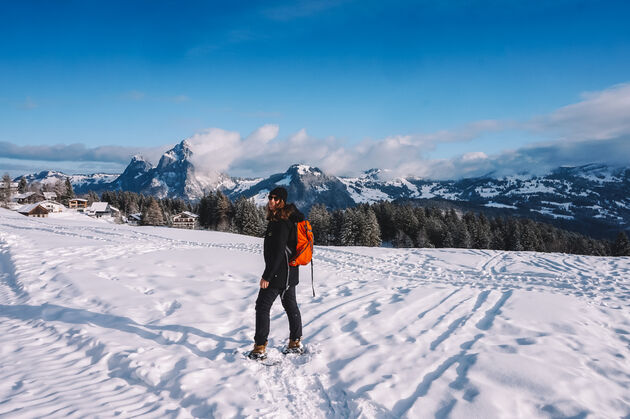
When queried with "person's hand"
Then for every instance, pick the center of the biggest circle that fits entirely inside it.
(264, 284)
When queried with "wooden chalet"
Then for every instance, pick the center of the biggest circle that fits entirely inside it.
(77, 203)
(185, 220)
(33, 210)
(135, 219)
(29, 198)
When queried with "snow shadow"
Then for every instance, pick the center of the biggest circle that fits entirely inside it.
(52, 312)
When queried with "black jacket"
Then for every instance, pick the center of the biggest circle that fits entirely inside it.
(278, 249)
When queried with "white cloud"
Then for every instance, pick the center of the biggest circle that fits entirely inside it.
(596, 129)
(78, 152)
(601, 115)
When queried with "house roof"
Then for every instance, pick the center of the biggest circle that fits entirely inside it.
(24, 195)
(98, 206)
(28, 208)
(187, 214)
(52, 202)
(78, 199)
(50, 195)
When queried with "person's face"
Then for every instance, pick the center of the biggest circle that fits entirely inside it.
(274, 202)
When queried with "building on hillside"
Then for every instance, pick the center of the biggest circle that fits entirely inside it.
(77, 203)
(15, 186)
(50, 196)
(29, 198)
(33, 210)
(135, 219)
(52, 206)
(98, 209)
(185, 220)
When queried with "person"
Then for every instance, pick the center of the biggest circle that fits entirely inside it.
(278, 278)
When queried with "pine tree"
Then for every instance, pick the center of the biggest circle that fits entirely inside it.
(402, 240)
(350, 228)
(422, 239)
(435, 230)
(621, 247)
(321, 221)
(222, 212)
(22, 185)
(68, 192)
(59, 188)
(247, 218)
(5, 194)
(205, 211)
(483, 236)
(405, 220)
(153, 214)
(337, 227)
(92, 197)
(385, 215)
(371, 234)
(513, 240)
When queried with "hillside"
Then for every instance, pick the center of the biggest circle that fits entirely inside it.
(101, 320)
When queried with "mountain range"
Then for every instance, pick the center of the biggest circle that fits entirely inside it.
(593, 199)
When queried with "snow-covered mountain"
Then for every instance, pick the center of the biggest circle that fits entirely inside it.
(593, 199)
(307, 186)
(174, 176)
(80, 183)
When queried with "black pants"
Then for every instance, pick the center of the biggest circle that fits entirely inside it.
(265, 300)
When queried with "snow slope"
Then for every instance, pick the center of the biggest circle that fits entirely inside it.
(102, 320)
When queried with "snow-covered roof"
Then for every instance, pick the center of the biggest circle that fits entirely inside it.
(50, 195)
(188, 214)
(28, 208)
(79, 199)
(48, 201)
(24, 195)
(137, 216)
(98, 207)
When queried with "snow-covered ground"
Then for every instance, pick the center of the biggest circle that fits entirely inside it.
(99, 319)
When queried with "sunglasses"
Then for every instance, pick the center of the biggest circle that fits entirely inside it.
(274, 198)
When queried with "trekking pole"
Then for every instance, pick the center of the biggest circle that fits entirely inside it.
(312, 281)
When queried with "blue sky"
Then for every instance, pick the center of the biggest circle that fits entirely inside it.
(140, 76)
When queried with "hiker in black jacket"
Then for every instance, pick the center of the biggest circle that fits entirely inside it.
(279, 279)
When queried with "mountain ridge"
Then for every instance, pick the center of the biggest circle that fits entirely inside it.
(595, 194)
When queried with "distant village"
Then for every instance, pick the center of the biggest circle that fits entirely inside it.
(39, 200)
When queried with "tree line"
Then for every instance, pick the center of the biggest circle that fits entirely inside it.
(405, 225)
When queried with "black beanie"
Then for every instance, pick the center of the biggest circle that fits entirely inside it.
(280, 193)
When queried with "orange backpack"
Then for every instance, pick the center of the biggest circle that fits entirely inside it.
(304, 248)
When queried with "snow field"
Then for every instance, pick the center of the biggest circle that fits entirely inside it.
(108, 320)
